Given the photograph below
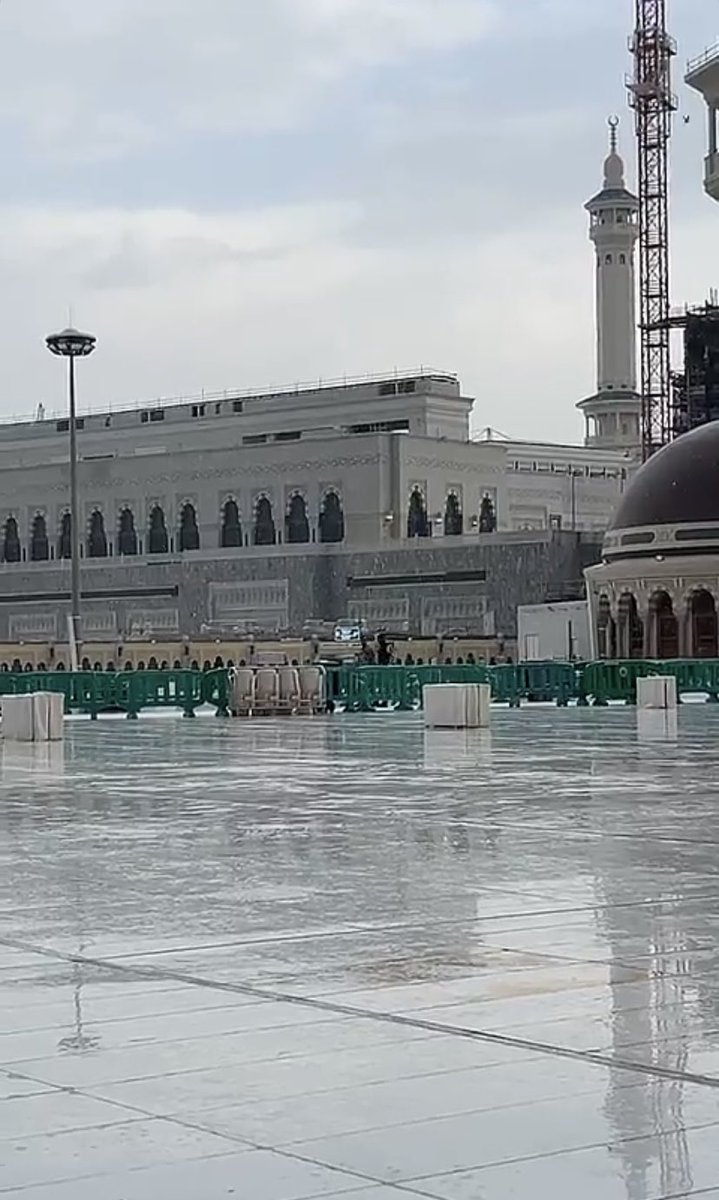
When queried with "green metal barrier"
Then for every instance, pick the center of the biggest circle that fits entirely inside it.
(94, 692)
(359, 689)
(605, 681)
(364, 689)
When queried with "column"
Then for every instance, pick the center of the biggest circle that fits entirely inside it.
(650, 631)
(685, 628)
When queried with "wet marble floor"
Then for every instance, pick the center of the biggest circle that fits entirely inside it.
(346, 957)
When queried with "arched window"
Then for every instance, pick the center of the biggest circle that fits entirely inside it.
(231, 525)
(97, 538)
(332, 519)
(417, 520)
(630, 628)
(703, 625)
(264, 533)
(296, 524)
(64, 541)
(39, 544)
(11, 542)
(157, 542)
(487, 516)
(453, 524)
(189, 533)
(606, 629)
(664, 626)
(126, 533)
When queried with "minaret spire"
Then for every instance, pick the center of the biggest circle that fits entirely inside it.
(612, 414)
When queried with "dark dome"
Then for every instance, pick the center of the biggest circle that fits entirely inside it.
(679, 484)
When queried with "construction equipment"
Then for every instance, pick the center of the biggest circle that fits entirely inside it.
(654, 103)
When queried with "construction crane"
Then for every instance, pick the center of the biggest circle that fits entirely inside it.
(651, 97)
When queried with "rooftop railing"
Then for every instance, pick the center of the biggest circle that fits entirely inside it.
(710, 55)
(284, 390)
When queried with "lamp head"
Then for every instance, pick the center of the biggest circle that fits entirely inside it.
(71, 343)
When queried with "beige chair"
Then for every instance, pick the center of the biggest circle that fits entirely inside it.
(243, 692)
(289, 689)
(267, 691)
(312, 690)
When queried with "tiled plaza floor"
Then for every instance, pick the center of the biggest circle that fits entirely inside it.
(297, 959)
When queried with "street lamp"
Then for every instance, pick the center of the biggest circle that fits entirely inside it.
(72, 344)
(574, 475)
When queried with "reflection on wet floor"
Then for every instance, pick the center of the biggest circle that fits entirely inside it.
(351, 957)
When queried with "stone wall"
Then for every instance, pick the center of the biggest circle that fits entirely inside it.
(476, 583)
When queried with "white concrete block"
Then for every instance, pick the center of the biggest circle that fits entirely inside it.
(35, 718)
(18, 722)
(41, 717)
(457, 705)
(485, 704)
(658, 691)
(55, 716)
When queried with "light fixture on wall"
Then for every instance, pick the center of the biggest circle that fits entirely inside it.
(389, 518)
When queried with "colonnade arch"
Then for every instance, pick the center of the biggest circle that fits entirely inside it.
(665, 623)
(630, 628)
(606, 629)
(703, 627)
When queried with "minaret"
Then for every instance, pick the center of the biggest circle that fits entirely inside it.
(613, 412)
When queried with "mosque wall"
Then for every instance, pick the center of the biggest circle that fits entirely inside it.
(473, 585)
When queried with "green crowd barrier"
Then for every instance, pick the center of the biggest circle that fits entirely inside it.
(363, 689)
(130, 692)
(603, 682)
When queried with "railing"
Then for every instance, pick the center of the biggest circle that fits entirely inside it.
(361, 689)
(601, 682)
(703, 60)
(203, 397)
(130, 692)
(364, 689)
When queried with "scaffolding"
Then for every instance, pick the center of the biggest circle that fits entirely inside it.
(696, 389)
(654, 103)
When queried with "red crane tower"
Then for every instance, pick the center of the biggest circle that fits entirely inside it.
(651, 97)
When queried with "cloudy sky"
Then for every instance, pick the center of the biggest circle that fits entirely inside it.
(242, 193)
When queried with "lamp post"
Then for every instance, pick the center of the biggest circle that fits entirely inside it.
(72, 344)
(574, 475)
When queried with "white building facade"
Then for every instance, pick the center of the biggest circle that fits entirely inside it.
(366, 464)
(703, 76)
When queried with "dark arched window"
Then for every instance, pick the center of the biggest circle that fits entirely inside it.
(264, 532)
(189, 533)
(64, 541)
(487, 516)
(453, 516)
(39, 544)
(417, 520)
(11, 542)
(332, 519)
(97, 538)
(126, 533)
(296, 524)
(231, 525)
(157, 542)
